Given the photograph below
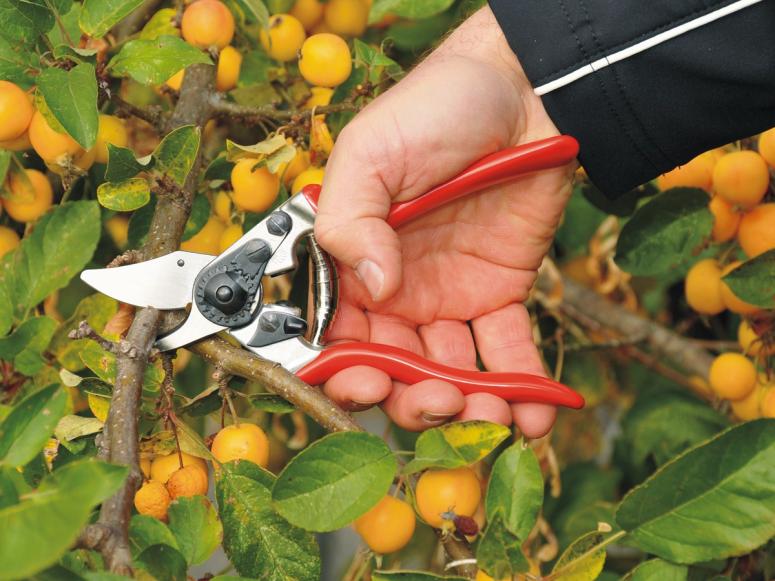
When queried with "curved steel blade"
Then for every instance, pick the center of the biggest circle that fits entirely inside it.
(164, 283)
(195, 327)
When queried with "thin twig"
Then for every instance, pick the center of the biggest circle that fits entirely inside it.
(151, 114)
(593, 310)
(123, 347)
(128, 257)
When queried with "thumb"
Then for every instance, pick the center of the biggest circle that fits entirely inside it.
(350, 224)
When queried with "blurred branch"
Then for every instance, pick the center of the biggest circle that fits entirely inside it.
(153, 115)
(597, 312)
(223, 108)
(136, 20)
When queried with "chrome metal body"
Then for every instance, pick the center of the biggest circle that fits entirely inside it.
(168, 283)
(325, 291)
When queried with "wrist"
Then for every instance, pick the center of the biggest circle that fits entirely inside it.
(481, 38)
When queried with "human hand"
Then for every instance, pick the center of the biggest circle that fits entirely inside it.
(474, 260)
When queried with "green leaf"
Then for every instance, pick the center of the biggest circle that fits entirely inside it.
(259, 542)
(25, 346)
(59, 247)
(163, 563)
(664, 423)
(125, 196)
(370, 57)
(122, 164)
(715, 501)
(412, 576)
(516, 489)
(151, 62)
(271, 403)
(71, 96)
(418, 35)
(161, 23)
(196, 527)
(97, 310)
(12, 486)
(16, 63)
(71, 427)
(68, 17)
(499, 551)
(657, 570)
(334, 481)
(200, 213)
(40, 529)
(145, 531)
(407, 8)
(272, 152)
(752, 281)
(456, 444)
(176, 153)
(25, 20)
(5, 162)
(576, 565)
(192, 443)
(99, 16)
(25, 431)
(664, 232)
(103, 364)
(250, 11)
(580, 221)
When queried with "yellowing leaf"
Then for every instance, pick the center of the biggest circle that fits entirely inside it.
(99, 406)
(235, 151)
(577, 563)
(321, 141)
(456, 444)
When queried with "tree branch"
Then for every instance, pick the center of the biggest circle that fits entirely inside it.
(120, 436)
(223, 108)
(195, 106)
(278, 380)
(460, 551)
(153, 115)
(136, 20)
(590, 308)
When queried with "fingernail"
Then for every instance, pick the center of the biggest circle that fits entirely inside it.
(359, 406)
(431, 418)
(372, 276)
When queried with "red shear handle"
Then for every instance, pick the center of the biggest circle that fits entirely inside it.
(405, 366)
(500, 167)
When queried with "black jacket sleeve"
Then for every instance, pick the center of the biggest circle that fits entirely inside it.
(649, 112)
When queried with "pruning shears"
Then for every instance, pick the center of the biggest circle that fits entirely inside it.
(225, 292)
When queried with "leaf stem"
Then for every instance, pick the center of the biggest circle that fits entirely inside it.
(60, 24)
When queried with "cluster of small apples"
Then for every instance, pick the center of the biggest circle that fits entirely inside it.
(313, 34)
(178, 474)
(441, 496)
(738, 182)
(28, 193)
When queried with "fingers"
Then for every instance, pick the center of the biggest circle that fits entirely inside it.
(505, 341)
(350, 223)
(490, 408)
(423, 405)
(358, 388)
(450, 343)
